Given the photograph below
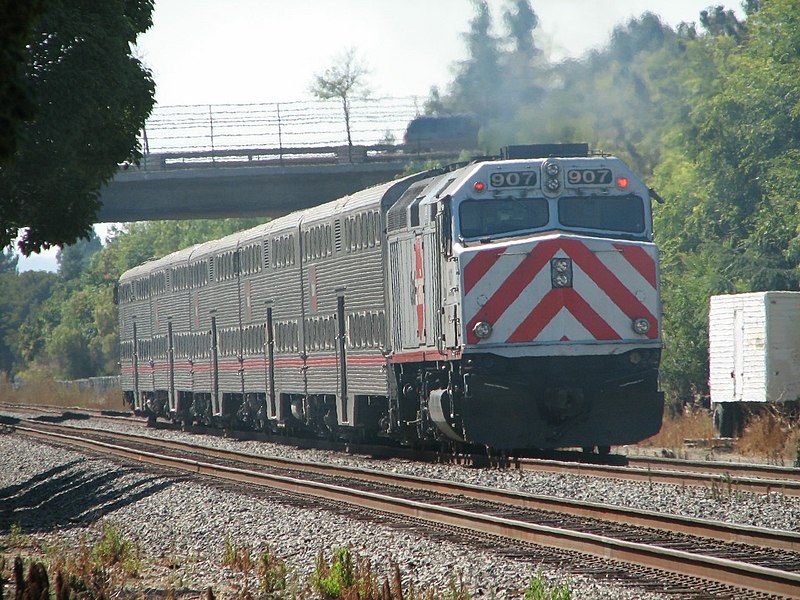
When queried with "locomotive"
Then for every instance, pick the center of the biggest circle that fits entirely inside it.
(511, 302)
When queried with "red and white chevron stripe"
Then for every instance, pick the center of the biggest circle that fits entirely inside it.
(510, 287)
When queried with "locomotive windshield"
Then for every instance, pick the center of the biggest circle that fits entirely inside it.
(610, 213)
(484, 218)
(494, 217)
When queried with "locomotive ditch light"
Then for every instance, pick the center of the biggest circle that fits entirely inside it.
(641, 326)
(482, 330)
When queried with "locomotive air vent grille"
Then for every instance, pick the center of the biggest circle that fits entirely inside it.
(396, 220)
(337, 235)
(397, 217)
(266, 254)
(211, 268)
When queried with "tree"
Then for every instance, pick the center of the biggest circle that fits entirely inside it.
(474, 88)
(74, 258)
(8, 261)
(92, 98)
(343, 80)
(21, 295)
(16, 103)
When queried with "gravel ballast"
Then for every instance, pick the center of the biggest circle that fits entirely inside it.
(60, 497)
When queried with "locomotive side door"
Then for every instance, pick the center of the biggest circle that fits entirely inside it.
(448, 277)
(407, 287)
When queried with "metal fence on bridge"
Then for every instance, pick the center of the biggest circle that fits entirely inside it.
(224, 128)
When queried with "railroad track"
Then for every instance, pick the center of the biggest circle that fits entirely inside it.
(724, 477)
(760, 561)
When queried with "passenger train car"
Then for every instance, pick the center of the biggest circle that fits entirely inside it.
(511, 302)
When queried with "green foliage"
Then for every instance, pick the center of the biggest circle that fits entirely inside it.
(343, 81)
(16, 103)
(540, 589)
(272, 573)
(73, 259)
(8, 261)
(16, 539)
(92, 97)
(113, 550)
(21, 296)
(332, 579)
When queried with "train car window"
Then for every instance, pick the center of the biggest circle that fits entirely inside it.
(489, 217)
(608, 213)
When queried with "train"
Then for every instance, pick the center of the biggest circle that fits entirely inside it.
(509, 303)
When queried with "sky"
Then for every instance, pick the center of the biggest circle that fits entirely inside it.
(243, 51)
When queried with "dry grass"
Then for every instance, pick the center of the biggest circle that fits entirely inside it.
(44, 391)
(768, 436)
(693, 424)
(772, 436)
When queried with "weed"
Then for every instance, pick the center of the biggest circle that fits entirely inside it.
(540, 589)
(693, 423)
(17, 539)
(239, 558)
(331, 580)
(456, 589)
(99, 570)
(37, 385)
(771, 433)
(271, 572)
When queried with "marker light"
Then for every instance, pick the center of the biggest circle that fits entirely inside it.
(482, 330)
(622, 182)
(479, 186)
(641, 326)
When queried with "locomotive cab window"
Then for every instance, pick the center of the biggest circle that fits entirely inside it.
(606, 213)
(491, 217)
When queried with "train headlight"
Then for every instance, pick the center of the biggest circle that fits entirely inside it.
(552, 185)
(551, 169)
(641, 326)
(482, 330)
(561, 272)
(561, 265)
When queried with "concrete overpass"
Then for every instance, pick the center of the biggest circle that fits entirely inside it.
(171, 188)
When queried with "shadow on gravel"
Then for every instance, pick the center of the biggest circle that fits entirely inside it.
(65, 416)
(70, 496)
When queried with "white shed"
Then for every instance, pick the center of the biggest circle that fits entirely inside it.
(754, 347)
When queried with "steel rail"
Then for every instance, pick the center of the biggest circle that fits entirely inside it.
(727, 477)
(699, 466)
(725, 571)
(715, 474)
(717, 530)
(720, 570)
